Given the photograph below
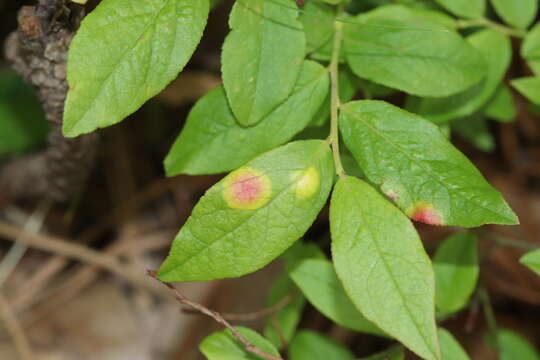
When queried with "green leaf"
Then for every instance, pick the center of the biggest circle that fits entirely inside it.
(309, 345)
(419, 58)
(516, 13)
(475, 130)
(530, 49)
(391, 282)
(412, 162)
(513, 346)
(288, 316)
(272, 46)
(450, 348)
(318, 22)
(464, 8)
(252, 215)
(497, 52)
(406, 13)
(395, 352)
(502, 106)
(528, 87)
(23, 126)
(532, 260)
(222, 345)
(213, 142)
(125, 53)
(456, 271)
(319, 283)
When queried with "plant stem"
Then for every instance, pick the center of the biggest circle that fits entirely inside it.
(493, 25)
(508, 242)
(335, 102)
(489, 315)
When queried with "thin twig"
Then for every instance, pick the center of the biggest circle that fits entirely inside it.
(252, 316)
(15, 330)
(217, 317)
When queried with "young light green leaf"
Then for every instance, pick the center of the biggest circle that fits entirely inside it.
(123, 54)
(213, 142)
(222, 345)
(395, 352)
(391, 282)
(262, 75)
(502, 106)
(513, 346)
(456, 271)
(496, 49)
(450, 348)
(419, 58)
(528, 87)
(474, 129)
(309, 345)
(414, 164)
(464, 8)
(281, 325)
(516, 13)
(532, 260)
(252, 215)
(318, 22)
(319, 283)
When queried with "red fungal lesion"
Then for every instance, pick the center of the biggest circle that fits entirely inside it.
(246, 189)
(426, 213)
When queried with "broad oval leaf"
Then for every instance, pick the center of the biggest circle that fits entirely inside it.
(497, 52)
(419, 58)
(309, 345)
(212, 141)
(513, 346)
(450, 348)
(456, 271)
(222, 345)
(252, 215)
(464, 8)
(383, 266)
(528, 87)
(319, 283)
(272, 46)
(532, 260)
(124, 53)
(518, 13)
(414, 164)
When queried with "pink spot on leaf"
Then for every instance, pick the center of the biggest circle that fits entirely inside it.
(424, 212)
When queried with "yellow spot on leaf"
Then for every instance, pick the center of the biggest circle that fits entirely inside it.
(307, 182)
(247, 189)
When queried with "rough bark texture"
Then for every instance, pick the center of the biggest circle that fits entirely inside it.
(37, 50)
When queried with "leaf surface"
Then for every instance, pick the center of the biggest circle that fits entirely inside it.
(502, 107)
(124, 53)
(450, 348)
(262, 75)
(464, 8)
(383, 266)
(514, 346)
(412, 162)
(395, 352)
(528, 87)
(212, 141)
(532, 260)
(516, 13)
(252, 215)
(222, 345)
(309, 345)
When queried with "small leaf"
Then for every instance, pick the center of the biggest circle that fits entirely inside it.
(497, 52)
(213, 142)
(529, 87)
(262, 75)
(502, 106)
(419, 58)
(475, 130)
(464, 8)
(532, 260)
(516, 13)
(456, 271)
(288, 316)
(309, 345)
(391, 282)
(318, 22)
(319, 283)
(395, 352)
(513, 346)
(125, 53)
(530, 49)
(222, 345)
(252, 215)
(450, 348)
(412, 162)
